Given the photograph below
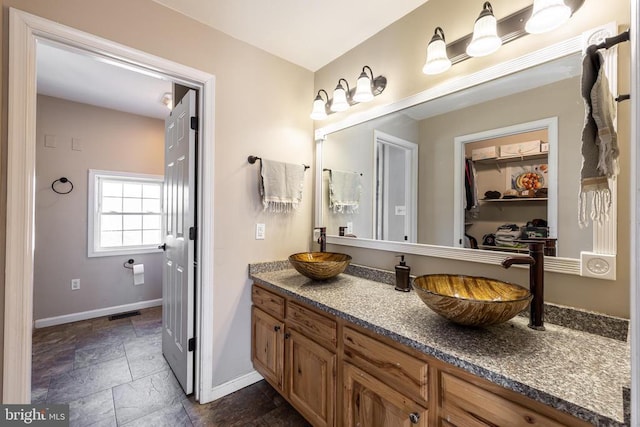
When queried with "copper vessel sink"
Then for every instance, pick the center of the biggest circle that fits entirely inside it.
(320, 265)
(471, 301)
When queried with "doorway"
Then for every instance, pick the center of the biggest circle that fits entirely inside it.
(396, 188)
(25, 32)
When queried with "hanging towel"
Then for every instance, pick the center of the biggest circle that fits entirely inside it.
(344, 191)
(281, 185)
(599, 141)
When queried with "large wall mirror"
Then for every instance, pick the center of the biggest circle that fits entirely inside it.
(408, 162)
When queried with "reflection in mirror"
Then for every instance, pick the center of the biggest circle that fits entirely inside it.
(508, 188)
(548, 90)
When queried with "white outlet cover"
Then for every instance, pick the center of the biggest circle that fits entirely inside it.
(75, 284)
(349, 227)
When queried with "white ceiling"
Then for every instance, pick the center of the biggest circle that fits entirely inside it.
(323, 31)
(79, 77)
(310, 33)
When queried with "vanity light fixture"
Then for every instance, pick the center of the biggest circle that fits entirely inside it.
(485, 39)
(364, 90)
(320, 106)
(489, 33)
(340, 101)
(167, 100)
(547, 15)
(367, 87)
(437, 59)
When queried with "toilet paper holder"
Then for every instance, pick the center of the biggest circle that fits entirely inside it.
(129, 263)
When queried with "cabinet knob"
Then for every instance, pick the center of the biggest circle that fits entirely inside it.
(414, 417)
(276, 328)
(287, 335)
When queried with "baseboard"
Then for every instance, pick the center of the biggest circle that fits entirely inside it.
(92, 314)
(229, 387)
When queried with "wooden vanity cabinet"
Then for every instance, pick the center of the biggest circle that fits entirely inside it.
(296, 353)
(337, 373)
(468, 401)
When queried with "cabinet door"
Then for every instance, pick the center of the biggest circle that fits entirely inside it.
(370, 403)
(267, 347)
(311, 378)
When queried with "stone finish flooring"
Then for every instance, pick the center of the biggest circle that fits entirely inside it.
(112, 373)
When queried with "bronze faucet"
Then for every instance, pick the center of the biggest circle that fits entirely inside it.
(535, 260)
(323, 238)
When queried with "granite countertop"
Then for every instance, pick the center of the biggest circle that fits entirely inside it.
(576, 372)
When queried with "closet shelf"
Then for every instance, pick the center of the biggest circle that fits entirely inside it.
(511, 159)
(516, 200)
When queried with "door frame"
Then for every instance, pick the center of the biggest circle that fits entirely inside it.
(24, 31)
(411, 190)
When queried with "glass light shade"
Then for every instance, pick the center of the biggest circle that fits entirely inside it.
(485, 39)
(547, 15)
(319, 111)
(437, 59)
(339, 102)
(363, 89)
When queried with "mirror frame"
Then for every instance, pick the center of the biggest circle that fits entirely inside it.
(600, 262)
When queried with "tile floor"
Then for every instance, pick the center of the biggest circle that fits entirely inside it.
(112, 373)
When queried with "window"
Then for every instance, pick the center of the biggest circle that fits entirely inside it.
(125, 213)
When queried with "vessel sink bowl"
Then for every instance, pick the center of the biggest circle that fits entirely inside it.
(320, 265)
(471, 301)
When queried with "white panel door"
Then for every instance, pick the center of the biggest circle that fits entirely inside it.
(179, 217)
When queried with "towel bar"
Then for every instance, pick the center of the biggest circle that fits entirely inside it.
(252, 160)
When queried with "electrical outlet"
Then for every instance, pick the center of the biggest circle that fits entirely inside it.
(349, 227)
(260, 230)
(316, 234)
(75, 284)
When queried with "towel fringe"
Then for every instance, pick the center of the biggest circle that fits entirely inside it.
(345, 208)
(600, 206)
(279, 207)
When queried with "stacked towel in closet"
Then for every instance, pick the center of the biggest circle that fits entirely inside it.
(281, 185)
(344, 191)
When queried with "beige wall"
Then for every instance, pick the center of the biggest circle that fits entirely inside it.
(261, 108)
(112, 141)
(398, 52)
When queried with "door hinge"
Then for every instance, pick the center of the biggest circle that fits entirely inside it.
(193, 231)
(194, 123)
(192, 344)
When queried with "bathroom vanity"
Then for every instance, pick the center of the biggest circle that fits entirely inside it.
(353, 351)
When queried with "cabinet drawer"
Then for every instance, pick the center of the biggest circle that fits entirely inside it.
(267, 301)
(322, 329)
(401, 371)
(465, 404)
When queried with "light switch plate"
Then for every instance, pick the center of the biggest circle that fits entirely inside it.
(260, 230)
(75, 284)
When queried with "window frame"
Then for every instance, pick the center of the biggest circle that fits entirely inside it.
(93, 215)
